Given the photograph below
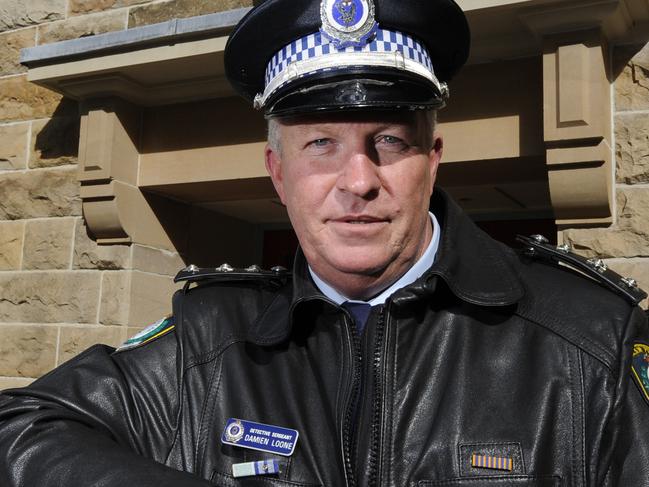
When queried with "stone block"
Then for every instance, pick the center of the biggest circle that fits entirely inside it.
(115, 298)
(13, 146)
(628, 238)
(23, 13)
(76, 339)
(80, 7)
(632, 148)
(39, 193)
(21, 100)
(632, 84)
(48, 243)
(10, 45)
(89, 255)
(83, 26)
(14, 382)
(49, 297)
(11, 245)
(55, 142)
(150, 298)
(27, 350)
(156, 261)
(637, 269)
(163, 11)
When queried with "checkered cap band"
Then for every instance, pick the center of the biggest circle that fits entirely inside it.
(317, 45)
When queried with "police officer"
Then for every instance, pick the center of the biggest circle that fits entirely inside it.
(406, 348)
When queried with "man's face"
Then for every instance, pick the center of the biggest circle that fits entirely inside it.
(357, 189)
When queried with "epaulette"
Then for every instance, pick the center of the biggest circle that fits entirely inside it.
(537, 246)
(227, 273)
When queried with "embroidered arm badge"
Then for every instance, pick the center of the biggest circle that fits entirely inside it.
(640, 368)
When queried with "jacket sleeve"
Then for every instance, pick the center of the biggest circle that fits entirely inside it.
(102, 419)
(630, 462)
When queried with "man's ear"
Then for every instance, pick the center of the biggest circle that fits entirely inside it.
(434, 157)
(274, 168)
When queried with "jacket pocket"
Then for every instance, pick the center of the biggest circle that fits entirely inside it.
(504, 481)
(225, 480)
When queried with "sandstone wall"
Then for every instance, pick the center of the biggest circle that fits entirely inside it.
(625, 244)
(59, 291)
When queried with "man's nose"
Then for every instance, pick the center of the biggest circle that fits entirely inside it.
(360, 176)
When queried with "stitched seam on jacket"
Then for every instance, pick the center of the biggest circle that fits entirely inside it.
(390, 440)
(207, 357)
(181, 399)
(582, 412)
(202, 425)
(181, 371)
(552, 326)
(622, 376)
(573, 459)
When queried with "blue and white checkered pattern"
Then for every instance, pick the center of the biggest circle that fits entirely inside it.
(316, 45)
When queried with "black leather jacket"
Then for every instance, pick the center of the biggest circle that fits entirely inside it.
(489, 353)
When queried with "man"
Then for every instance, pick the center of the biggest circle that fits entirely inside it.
(407, 348)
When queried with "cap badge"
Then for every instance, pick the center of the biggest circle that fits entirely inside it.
(348, 22)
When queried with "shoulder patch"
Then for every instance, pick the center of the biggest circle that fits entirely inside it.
(149, 334)
(226, 272)
(538, 246)
(640, 368)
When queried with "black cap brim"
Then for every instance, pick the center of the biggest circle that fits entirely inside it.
(439, 24)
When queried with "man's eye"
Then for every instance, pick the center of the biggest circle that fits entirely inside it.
(391, 142)
(320, 142)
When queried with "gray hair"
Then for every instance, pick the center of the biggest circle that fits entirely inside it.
(273, 135)
(428, 120)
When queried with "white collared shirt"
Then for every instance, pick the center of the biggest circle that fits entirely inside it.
(415, 272)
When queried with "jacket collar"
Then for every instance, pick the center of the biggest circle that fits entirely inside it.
(475, 268)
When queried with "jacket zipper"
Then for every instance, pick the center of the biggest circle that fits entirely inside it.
(351, 405)
(377, 400)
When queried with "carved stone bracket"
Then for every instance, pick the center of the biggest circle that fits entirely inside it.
(115, 209)
(577, 128)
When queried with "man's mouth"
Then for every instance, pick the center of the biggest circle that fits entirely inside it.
(360, 220)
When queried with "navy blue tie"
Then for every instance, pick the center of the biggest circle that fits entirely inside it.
(360, 312)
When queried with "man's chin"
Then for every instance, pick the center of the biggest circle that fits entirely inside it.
(361, 267)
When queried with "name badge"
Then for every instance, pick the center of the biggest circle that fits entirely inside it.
(261, 437)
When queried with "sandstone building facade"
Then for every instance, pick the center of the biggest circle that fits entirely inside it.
(124, 156)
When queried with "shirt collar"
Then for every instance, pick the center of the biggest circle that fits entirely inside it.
(415, 272)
